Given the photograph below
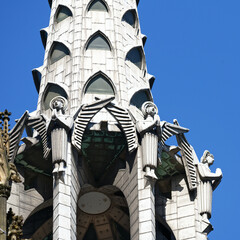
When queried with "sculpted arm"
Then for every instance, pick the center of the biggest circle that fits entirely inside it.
(145, 126)
(206, 174)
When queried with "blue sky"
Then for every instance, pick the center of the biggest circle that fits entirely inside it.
(193, 50)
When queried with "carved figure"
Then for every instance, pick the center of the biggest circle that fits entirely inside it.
(59, 126)
(8, 171)
(150, 132)
(209, 182)
(15, 224)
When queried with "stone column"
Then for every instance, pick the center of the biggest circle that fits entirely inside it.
(65, 190)
(4, 194)
(146, 198)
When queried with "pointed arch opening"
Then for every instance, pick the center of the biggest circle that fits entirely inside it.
(141, 97)
(135, 55)
(62, 13)
(98, 41)
(58, 51)
(98, 5)
(52, 91)
(99, 84)
(130, 17)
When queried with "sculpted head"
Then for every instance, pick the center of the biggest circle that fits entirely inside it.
(149, 108)
(59, 103)
(207, 158)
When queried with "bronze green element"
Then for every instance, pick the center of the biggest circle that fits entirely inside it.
(169, 167)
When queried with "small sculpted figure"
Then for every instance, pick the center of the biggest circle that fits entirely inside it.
(208, 183)
(150, 131)
(59, 126)
(4, 167)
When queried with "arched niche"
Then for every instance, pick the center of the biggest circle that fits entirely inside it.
(98, 41)
(130, 17)
(57, 52)
(37, 77)
(163, 231)
(39, 224)
(100, 85)
(62, 13)
(141, 97)
(52, 90)
(44, 36)
(102, 213)
(135, 56)
(97, 5)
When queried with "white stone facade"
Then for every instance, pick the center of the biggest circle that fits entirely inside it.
(164, 208)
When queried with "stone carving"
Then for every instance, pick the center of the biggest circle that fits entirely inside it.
(84, 116)
(87, 112)
(125, 122)
(39, 123)
(15, 136)
(150, 132)
(208, 183)
(15, 224)
(188, 159)
(169, 130)
(58, 128)
(8, 171)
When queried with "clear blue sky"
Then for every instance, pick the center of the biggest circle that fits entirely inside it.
(193, 49)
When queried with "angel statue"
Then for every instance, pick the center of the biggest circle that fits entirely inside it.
(58, 128)
(150, 132)
(208, 183)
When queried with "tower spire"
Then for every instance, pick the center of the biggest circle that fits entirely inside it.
(96, 138)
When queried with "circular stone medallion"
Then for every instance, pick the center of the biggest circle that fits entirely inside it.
(94, 203)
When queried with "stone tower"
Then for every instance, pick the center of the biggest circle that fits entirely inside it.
(94, 164)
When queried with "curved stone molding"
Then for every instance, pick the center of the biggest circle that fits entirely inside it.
(60, 46)
(37, 77)
(60, 7)
(103, 2)
(126, 18)
(98, 33)
(144, 39)
(131, 57)
(44, 36)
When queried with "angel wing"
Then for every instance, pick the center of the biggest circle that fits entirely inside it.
(169, 130)
(39, 124)
(85, 114)
(15, 136)
(188, 159)
(123, 118)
